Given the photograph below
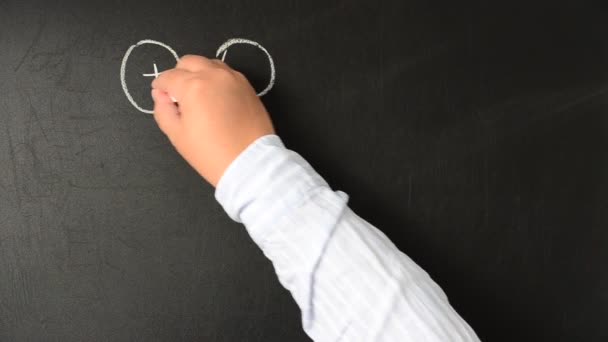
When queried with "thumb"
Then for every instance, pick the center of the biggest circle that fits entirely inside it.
(166, 113)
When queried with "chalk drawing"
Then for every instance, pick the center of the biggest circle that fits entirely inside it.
(155, 74)
(123, 69)
(223, 50)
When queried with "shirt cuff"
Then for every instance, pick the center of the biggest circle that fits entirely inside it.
(265, 181)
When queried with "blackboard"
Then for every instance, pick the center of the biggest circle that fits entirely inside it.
(473, 134)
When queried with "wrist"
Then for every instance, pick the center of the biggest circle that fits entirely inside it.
(265, 175)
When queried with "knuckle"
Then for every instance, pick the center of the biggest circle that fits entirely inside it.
(222, 65)
(217, 61)
(225, 75)
(187, 58)
(240, 75)
(192, 60)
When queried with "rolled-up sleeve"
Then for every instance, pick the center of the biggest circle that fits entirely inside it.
(350, 281)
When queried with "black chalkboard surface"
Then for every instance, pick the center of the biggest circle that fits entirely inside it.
(474, 135)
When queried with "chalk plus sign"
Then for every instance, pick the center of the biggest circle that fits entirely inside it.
(155, 74)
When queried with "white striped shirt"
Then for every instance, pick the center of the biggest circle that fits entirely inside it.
(350, 281)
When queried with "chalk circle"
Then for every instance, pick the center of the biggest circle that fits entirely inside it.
(223, 49)
(123, 70)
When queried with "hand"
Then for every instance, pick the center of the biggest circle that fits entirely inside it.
(218, 116)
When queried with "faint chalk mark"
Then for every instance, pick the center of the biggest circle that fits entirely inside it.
(41, 26)
(148, 188)
(93, 131)
(11, 153)
(90, 264)
(582, 99)
(78, 242)
(35, 115)
(83, 150)
(84, 117)
(114, 267)
(134, 246)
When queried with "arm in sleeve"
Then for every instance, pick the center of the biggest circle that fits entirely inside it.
(349, 280)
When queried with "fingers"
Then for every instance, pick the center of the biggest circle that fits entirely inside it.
(194, 63)
(173, 82)
(166, 113)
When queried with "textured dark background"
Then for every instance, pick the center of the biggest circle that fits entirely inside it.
(474, 135)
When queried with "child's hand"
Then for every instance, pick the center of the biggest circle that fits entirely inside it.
(218, 115)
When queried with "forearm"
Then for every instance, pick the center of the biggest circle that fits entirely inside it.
(349, 279)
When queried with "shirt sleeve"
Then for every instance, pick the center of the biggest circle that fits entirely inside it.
(349, 280)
